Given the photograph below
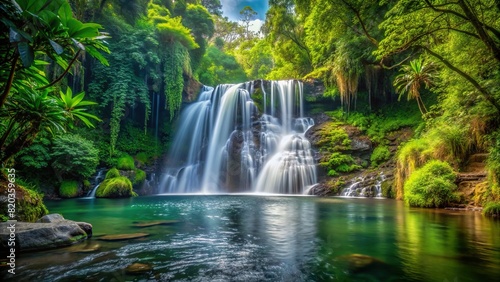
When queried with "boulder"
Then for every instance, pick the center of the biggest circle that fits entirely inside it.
(49, 232)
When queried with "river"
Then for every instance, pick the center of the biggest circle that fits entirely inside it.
(271, 238)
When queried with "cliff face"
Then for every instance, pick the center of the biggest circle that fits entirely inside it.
(347, 158)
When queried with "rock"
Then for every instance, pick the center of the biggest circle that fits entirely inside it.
(51, 218)
(359, 262)
(119, 237)
(46, 235)
(138, 268)
(84, 248)
(153, 223)
(87, 227)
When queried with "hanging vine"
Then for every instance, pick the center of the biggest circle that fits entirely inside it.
(176, 61)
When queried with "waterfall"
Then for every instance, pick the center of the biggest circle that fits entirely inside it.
(97, 181)
(365, 186)
(224, 143)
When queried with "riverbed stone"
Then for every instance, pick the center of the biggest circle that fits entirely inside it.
(120, 237)
(138, 268)
(46, 235)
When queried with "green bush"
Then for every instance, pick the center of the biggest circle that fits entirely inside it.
(492, 209)
(140, 176)
(68, 189)
(431, 186)
(112, 173)
(380, 155)
(125, 162)
(338, 162)
(74, 157)
(117, 187)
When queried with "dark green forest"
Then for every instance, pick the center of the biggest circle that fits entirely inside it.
(91, 84)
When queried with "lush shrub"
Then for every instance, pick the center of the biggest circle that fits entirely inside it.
(140, 176)
(68, 189)
(117, 187)
(431, 186)
(125, 162)
(338, 162)
(74, 156)
(492, 209)
(380, 155)
(112, 173)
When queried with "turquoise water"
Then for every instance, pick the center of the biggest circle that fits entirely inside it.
(278, 238)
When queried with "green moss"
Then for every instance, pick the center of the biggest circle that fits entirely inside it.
(492, 209)
(140, 176)
(68, 189)
(86, 184)
(143, 158)
(117, 187)
(380, 155)
(388, 190)
(29, 203)
(338, 162)
(431, 186)
(125, 162)
(112, 173)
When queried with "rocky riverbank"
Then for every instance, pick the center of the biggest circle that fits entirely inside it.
(50, 231)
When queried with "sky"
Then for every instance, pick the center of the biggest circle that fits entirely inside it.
(232, 8)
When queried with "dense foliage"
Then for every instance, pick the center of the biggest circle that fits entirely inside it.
(431, 186)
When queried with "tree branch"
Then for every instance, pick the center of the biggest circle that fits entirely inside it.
(487, 95)
(10, 80)
(363, 26)
(63, 74)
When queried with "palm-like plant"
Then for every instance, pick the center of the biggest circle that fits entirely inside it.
(74, 108)
(411, 79)
(27, 114)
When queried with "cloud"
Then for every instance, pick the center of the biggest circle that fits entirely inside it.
(232, 8)
(255, 25)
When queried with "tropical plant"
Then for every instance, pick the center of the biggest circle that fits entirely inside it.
(27, 114)
(411, 79)
(47, 27)
(74, 108)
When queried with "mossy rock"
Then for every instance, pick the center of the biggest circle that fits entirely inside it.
(29, 203)
(68, 189)
(388, 189)
(140, 176)
(125, 162)
(117, 187)
(112, 173)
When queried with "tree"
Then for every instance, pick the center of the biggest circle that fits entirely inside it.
(213, 6)
(429, 26)
(247, 15)
(411, 79)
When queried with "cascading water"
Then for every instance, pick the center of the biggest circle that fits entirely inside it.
(225, 143)
(97, 181)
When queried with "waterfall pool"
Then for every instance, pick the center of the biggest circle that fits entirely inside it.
(270, 238)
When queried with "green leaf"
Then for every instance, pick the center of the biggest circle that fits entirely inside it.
(96, 54)
(74, 26)
(58, 48)
(14, 36)
(65, 13)
(26, 53)
(86, 32)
